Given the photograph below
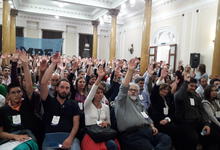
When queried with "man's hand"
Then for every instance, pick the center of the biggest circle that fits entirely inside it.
(132, 64)
(56, 58)
(67, 143)
(154, 130)
(21, 137)
(207, 129)
(164, 122)
(43, 65)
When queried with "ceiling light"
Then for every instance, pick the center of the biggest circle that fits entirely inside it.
(12, 6)
(123, 6)
(61, 5)
(10, 2)
(132, 3)
(57, 17)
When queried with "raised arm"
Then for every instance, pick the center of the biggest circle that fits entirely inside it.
(27, 74)
(123, 91)
(101, 73)
(47, 75)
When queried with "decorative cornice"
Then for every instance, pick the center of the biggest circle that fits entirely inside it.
(114, 12)
(95, 23)
(14, 12)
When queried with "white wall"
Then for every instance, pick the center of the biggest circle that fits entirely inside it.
(194, 32)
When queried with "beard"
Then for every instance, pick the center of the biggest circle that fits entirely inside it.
(133, 97)
(63, 95)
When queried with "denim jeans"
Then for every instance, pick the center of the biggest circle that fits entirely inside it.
(143, 139)
(52, 141)
(111, 145)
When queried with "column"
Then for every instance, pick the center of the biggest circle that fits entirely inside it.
(95, 38)
(6, 27)
(146, 36)
(113, 13)
(216, 53)
(14, 13)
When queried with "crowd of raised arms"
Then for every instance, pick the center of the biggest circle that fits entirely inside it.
(55, 102)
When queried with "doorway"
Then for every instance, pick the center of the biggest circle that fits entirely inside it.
(85, 45)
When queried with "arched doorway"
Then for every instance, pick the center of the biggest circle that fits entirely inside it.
(165, 48)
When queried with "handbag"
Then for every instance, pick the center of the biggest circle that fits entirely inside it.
(101, 134)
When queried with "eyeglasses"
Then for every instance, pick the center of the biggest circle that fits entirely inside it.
(133, 90)
(16, 92)
(54, 79)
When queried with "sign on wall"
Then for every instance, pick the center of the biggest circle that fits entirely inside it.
(36, 46)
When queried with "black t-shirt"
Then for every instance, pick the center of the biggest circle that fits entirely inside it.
(12, 120)
(62, 114)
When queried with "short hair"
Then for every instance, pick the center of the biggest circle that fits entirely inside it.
(212, 81)
(12, 85)
(139, 79)
(164, 86)
(193, 80)
(5, 67)
(202, 78)
(134, 84)
(58, 83)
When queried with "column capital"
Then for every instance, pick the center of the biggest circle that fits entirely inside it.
(14, 12)
(95, 23)
(114, 12)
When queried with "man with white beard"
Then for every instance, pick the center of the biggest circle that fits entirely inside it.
(135, 126)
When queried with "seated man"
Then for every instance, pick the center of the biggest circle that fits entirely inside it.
(17, 118)
(61, 114)
(137, 129)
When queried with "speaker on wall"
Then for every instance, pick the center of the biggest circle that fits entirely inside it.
(194, 60)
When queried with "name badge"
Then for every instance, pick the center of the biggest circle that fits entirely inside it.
(80, 105)
(144, 115)
(16, 119)
(165, 111)
(192, 102)
(141, 97)
(55, 120)
(98, 122)
(217, 114)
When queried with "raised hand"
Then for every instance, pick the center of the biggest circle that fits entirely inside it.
(164, 73)
(23, 56)
(43, 65)
(132, 64)
(56, 58)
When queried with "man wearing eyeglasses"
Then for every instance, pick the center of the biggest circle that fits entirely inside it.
(52, 87)
(137, 131)
(18, 120)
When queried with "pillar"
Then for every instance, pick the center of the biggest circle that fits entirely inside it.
(6, 27)
(114, 14)
(14, 13)
(95, 38)
(146, 36)
(216, 53)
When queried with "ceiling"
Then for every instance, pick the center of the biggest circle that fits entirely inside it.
(83, 9)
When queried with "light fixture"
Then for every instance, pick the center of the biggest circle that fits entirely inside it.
(10, 2)
(123, 6)
(57, 17)
(132, 3)
(61, 5)
(12, 6)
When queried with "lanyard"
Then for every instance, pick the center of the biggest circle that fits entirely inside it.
(99, 113)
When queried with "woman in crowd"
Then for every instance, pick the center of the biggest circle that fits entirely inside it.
(98, 113)
(212, 107)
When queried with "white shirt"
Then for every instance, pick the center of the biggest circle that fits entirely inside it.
(92, 114)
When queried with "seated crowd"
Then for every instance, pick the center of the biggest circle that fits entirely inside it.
(55, 102)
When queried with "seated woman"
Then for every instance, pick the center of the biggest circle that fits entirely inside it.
(97, 113)
(212, 107)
